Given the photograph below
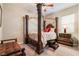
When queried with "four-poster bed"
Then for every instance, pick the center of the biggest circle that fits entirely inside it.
(29, 37)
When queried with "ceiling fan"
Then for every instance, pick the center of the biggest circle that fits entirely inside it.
(47, 5)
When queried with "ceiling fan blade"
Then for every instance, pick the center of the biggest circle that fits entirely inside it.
(50, 5)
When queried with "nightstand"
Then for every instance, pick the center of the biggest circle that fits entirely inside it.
(65, 39)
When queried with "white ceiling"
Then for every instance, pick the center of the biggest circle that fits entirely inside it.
(59, 6)
(31, 7)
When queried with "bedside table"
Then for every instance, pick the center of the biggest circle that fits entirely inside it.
(65, 39)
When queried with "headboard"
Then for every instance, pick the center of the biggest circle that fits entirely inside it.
(54, 22)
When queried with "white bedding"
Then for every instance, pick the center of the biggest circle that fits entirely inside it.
(45, 36)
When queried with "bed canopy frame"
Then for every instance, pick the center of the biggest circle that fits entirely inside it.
(39, 44)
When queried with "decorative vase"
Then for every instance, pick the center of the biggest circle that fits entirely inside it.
(64, 30)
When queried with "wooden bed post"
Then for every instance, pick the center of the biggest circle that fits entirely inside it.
(44, 23)
(56, 27)
(40, 44)
(27, 18)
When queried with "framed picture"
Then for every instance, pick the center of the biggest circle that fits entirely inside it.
(0, 16)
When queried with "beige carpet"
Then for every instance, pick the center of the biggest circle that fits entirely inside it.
(61, 51)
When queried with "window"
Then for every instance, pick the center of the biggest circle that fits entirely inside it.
(68, 23)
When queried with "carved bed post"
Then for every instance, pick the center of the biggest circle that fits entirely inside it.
(27, 18)
(40, 44)
(44, 23)
(56, 27)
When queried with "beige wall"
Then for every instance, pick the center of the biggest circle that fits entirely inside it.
(1, 24)
(73, 9)
(13, 21)
(78, 22)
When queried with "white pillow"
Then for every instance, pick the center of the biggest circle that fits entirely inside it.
(52, 29)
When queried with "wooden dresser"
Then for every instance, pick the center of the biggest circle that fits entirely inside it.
(65, 39)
